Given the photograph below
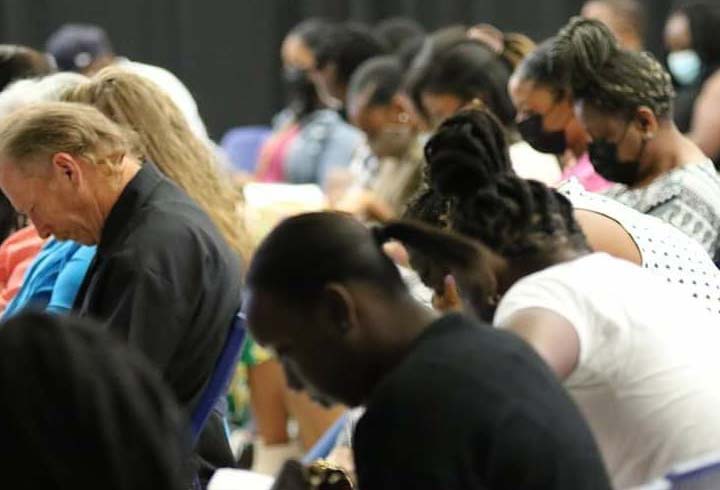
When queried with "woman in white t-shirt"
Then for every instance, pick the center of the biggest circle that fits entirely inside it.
(635, 349)
(637, 356)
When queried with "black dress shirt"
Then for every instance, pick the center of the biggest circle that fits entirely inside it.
(165, 281)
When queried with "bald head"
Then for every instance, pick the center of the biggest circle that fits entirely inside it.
(625, 18)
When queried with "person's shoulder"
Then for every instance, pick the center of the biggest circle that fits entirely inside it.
(711, 88)
(454, 351)
(332, 121)
(175, 225)
(571, 289)
(170, 226)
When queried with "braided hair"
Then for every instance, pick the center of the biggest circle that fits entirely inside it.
(469, 168)
(607, 76)
(469, 132)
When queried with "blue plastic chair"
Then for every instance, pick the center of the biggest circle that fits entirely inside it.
(243, 145)
(326, 443)
(221, 376)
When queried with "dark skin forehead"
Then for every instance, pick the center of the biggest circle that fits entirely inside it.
(440, 106)
(368, 118)
(295, 53)
(530, 98)
(599, 124)
(269, 321)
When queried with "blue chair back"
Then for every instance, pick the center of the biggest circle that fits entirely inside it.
(221, 376)
(243, 145)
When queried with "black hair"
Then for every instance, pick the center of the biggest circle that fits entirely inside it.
(450, 62)
(313, 32)
(18, 62)
(469, 167)
(447, 248)
(81, 410)
(409, 50)
(704, 21)
(539, 68)
(306, 252)
(431, 208)
(383, 75)
(301, 95)
(10, 220)
(607, 76)
(347, 45)
(397, 31)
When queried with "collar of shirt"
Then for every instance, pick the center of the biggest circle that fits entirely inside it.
(133, 197)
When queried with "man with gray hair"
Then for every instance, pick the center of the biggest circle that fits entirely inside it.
(163, 279)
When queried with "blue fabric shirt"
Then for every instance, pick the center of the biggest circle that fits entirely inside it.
(54, 278)
(324, 142)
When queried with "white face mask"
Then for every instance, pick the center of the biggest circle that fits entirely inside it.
(685, 66)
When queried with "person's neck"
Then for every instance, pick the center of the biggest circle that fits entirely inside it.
(670, 150)
(513, 270)
(405, 321)
(106, 196)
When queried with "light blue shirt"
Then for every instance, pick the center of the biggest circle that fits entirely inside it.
(324, 142)
(53, 279)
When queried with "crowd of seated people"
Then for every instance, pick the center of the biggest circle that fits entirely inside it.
(509, 281)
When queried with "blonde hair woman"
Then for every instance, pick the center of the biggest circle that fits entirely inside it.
(165, 138)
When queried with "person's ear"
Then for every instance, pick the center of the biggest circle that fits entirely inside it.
(66, 166)
(647, 122)
(341, 308)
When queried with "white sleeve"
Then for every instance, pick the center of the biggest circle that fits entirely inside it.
(550, 291)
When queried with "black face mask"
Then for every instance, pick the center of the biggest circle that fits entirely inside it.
(605, 160)
(301, 94)
(531, 129)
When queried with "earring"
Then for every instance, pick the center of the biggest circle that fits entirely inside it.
(404, 117)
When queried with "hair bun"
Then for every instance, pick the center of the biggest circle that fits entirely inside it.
(467, 153)
(582, 48)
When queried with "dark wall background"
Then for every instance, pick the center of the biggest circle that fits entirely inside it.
(227, 51)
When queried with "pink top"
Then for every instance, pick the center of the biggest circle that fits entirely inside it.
(585, 173)
(16, 254)
(274, 152)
